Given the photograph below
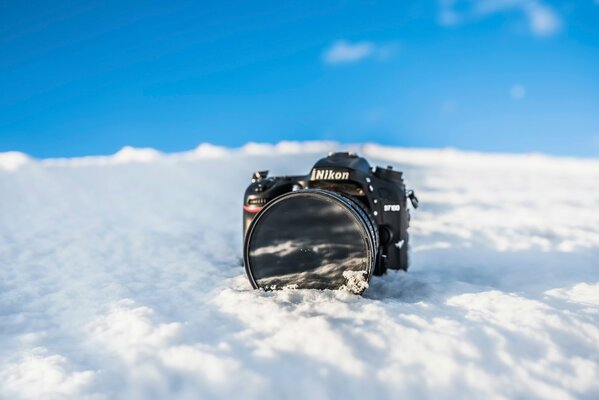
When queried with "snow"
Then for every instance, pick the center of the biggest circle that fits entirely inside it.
(12, 160)
(131, 154)
(120, 277)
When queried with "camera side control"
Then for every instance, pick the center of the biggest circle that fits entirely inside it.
(385, 234)
(384, 262)
(413, 198)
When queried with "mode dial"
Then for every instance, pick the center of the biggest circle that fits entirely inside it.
(388, 174)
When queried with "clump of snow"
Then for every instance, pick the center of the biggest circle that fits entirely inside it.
(12, 160)
(122, 280)
(355, 281)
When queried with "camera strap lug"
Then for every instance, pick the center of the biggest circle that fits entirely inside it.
(413, 199)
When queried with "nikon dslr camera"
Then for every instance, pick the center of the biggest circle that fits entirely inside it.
(330, 229)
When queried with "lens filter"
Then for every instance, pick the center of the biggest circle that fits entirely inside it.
(311, 239)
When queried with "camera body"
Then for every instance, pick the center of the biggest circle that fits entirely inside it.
(379, 191)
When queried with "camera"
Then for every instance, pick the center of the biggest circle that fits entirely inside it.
(331, 229)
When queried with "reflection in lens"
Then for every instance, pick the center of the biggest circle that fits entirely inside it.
(311, 239)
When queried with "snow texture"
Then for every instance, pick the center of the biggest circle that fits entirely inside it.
(120, 278)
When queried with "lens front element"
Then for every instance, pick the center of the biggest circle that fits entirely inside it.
(311, 239)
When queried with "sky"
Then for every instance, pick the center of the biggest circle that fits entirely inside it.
(89, 77)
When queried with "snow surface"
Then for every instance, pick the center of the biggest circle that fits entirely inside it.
(120, 277)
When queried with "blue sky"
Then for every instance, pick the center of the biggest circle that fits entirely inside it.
(79, 78)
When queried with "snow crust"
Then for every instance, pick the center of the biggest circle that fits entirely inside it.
(120, 278)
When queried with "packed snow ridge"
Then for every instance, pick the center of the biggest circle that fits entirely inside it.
(13, 160)
(120, 277)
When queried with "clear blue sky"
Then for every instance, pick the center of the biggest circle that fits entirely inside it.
(88, 77)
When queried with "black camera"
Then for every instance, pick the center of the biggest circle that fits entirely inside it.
(330, 229)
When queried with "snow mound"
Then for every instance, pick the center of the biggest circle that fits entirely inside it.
(126, 155)
(582, 293)
(455, 158)
(120, 278)
(132, 154)
(13, 160)
(39, 375)
(207, 150)
(288, 147)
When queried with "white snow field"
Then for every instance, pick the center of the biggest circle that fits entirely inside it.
(120, 278)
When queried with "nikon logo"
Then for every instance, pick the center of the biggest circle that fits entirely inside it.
(329, 174)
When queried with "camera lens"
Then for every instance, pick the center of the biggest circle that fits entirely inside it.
(311, 239)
